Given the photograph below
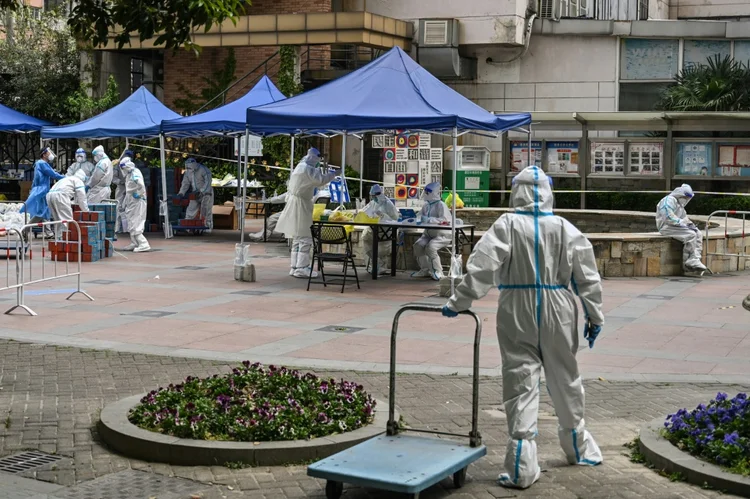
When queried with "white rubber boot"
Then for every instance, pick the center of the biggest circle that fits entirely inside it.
(142, 244)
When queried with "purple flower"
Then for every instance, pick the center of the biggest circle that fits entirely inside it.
(323, 388)
(721, 397)
(732, 439)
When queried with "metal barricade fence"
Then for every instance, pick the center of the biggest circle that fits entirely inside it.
(30, 272)
(725, 242)
(12, 241)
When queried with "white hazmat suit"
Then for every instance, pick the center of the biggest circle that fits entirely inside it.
(296, 219)
(118, 178)
(197, 179)
(273, 220)
(384, 209)
(434, 212)
(80, 164)
(672, 221)
(134, 208)
(535, 258)
(60, 198)
(100, 180)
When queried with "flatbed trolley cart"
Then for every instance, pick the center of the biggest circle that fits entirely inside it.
(406, 463)
(195, 231)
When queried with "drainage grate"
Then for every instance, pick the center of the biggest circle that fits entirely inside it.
(251, 292)
(103, 281)
(656, 297)
(130, 484)
(190, 267)
(25, 461)
(340, 329)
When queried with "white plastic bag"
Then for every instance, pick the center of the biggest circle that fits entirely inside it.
(241, 254)
(456, 270)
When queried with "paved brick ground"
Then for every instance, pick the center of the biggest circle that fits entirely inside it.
(51, 397)
(657, 329)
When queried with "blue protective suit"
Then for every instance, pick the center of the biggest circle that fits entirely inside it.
(36, 204)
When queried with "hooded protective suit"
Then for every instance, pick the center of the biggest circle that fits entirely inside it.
(134, 207)
(60, 197)
(118, 178)
(672, 221)
(80, 164)
(36, 204)
(383, 208)
(426, 248)
(197, 179)
(296, 219)
(535, 258)
(100, 180)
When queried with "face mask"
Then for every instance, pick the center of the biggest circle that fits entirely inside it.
(376, 198)
(50, 157)
(80, 158)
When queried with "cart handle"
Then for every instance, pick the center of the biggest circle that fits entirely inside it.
(475, 439)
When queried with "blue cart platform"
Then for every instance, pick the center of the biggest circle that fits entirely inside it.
(403, 463)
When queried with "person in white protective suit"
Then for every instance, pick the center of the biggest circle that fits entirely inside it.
(118, 178)
(100, 181)
(672, 221)
(80, 164)
(273, 220)
(296, 219)
(383, 208)
(134, 208)
(197, 179)
(435, 212)
(535, 258)
(60, 198)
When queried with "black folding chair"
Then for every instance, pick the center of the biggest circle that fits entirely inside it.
(332, 234)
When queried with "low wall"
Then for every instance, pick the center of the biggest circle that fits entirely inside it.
(625, 243)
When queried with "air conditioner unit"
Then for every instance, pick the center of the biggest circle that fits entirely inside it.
(546, 9)
(438, 33)
(438, 50)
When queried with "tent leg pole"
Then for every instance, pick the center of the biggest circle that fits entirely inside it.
(291, 155)
(167, 231)
(244, 188)
(343, 166)
(528, 153)
(361, 167)
(453, 208)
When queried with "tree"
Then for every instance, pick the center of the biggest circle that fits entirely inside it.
(172, 22)
(40, 71)
(215, 85)
(722, 84)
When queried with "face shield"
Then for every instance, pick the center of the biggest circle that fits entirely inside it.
(80, 156)
(376, 193)
(98, 153)
(191, 164)
(431, 192)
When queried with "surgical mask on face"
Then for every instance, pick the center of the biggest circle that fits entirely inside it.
(50, 157)
(80, 158)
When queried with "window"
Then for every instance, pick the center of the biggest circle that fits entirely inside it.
(640, 96)
(699, 51)
(573, 8)
(642, 10)
(136, 74)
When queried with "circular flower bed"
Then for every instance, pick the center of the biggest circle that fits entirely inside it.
(718, 432)
(255, 403)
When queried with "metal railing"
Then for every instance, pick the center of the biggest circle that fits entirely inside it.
(337, 57)
(28, 273)
(725, 245)
(12, 240)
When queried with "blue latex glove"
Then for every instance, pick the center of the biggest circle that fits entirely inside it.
(88, 188)
(447, 312)
(136, 195)
(591, 332)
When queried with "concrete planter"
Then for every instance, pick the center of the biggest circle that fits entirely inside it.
(132, 441)
(665, 456)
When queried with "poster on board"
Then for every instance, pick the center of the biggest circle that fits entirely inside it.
(519, 154)
(608, 157)
(646, 157)
(562, 157)
(694, 158)
(734, 160)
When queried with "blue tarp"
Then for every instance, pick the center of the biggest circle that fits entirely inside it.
(229, 118)
(392, 92)
(15, 121)
(138, 116)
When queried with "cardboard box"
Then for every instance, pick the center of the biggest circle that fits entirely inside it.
(225, 217)
(25, 188)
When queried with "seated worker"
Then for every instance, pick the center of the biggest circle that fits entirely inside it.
(273, 219)
(434, 212)
(197, 179)
(672, 221)
(384, 209)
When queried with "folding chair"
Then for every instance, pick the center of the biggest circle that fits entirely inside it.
(332, 234)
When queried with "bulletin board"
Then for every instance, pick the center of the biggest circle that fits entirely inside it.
(607, 158)
(409, 161)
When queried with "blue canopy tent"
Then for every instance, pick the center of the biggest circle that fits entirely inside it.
(15, 121)
(391, 92)
(229, 119)
(139, 116)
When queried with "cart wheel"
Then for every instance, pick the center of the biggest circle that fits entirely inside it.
(334, 489)
(459, 478)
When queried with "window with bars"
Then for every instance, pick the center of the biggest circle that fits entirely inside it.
(643, 10)
(136, 74)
